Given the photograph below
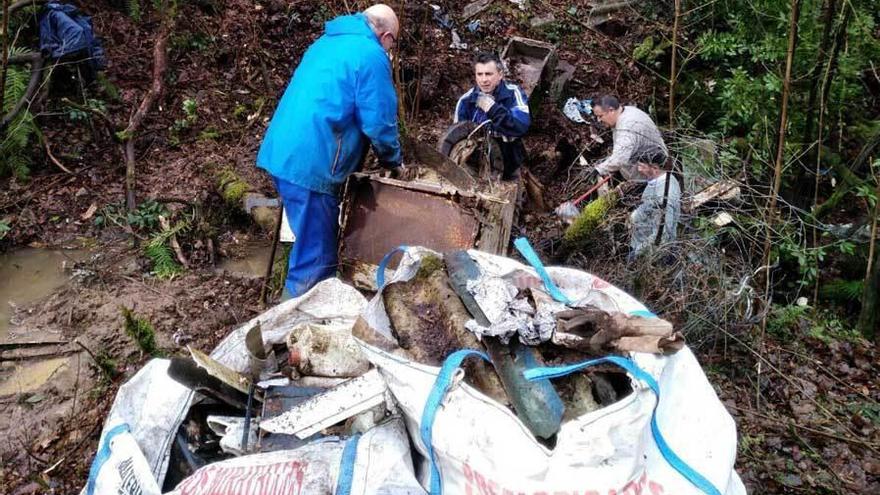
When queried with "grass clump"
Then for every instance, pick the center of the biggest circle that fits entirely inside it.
(141, 331)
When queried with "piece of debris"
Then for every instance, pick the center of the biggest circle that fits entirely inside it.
(725, 190)
(230, 429)
(474, 8)
(574, 109)
(347, 399)
(326, 351)
(536, 403)
(457, 44)
(597, 331)
(527, 60)
(190, 375)
(722, 219)
(441, 17)
(428, 320)
(542, 20)
(562, 74)
(223, 373)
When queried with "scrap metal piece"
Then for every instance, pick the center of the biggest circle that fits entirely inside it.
(348, 399)
(536, 404)
(528, 60)
(424, 154)
(223, 373)
(382, 217)
(187, 373)
(277, 401)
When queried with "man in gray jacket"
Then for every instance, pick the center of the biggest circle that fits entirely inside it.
(633, 130)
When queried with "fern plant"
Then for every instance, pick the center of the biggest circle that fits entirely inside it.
(133, 8)
(164, 265)
(840, 290)
(17, 135)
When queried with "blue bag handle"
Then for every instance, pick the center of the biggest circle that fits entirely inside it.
(346, 466)
(380, 273)
(525, 249)
(438, 392)
(632, 368)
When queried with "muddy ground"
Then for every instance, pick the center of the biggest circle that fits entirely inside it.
(233, 58)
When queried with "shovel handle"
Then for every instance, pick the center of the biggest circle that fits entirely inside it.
(591, 190)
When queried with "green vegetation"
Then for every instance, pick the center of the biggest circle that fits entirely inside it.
(157, 249)
(145, 218)
(16, 137)
(231, 187)
(141, 331)
(590, 217)
(190, 117)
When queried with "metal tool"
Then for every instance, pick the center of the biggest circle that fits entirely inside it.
(536, 404)
(568, 210)
(253, 341)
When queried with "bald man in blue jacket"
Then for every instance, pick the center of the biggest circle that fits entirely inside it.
(340, 100)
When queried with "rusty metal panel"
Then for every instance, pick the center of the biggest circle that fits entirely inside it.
(528, 61)
(382, 217)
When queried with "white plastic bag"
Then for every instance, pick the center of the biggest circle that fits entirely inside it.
(378, 462)
(120, 467)
(480, 446)
(154, 405)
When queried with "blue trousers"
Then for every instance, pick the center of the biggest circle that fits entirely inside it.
(313, 218)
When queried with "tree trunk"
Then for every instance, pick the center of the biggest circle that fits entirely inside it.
(160, 65)
(780, 152)
(5, 54)
(868, 320)
(829, 10)
(672, 74)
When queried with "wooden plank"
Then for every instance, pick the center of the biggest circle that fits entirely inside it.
(495, 228)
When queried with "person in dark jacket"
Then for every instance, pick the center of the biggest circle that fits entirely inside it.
(340, 100)
(501, 102)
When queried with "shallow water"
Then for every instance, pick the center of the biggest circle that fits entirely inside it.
(251, 264)
(30, 376)
(29, 274)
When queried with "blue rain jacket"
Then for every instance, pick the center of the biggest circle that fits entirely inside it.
(65, 30)
(340, 98)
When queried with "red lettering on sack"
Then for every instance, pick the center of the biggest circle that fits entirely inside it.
(656, 488)
(481, 484)
(283, 478)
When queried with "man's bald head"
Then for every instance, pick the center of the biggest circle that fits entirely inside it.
(383, 22)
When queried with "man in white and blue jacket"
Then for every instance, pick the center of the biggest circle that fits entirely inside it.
(501, 102)
(340, 100)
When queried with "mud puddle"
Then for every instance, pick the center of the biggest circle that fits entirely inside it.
(250, 261)
(31, 376)
(29, 274)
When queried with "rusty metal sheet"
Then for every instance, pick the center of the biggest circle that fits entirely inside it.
(527, 60)
(383, 216)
